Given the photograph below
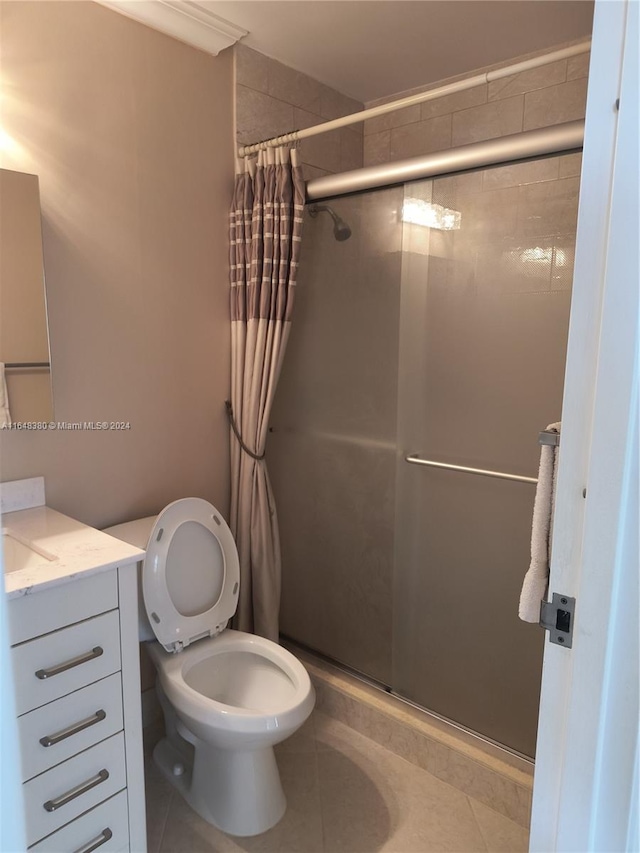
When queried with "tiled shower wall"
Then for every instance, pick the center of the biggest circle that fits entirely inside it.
(540, 97)
(272, 99)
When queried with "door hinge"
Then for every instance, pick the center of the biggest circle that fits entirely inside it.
(556, 617)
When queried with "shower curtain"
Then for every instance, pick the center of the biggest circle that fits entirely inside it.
(265, 234)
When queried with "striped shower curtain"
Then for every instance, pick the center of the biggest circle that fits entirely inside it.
(265, 233)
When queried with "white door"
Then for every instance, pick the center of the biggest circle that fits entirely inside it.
(586, 782)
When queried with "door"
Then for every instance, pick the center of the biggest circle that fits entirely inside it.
(485, 302)
(586, 781)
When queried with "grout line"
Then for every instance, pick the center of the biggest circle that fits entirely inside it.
(318, 784)
(485, 840)
(166, 820)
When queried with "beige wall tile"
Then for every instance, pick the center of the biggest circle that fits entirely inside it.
(570, 165)
(351, 149)
(490, 214)
(556, 104)
(295, 88)
(516, 174)
(310, 172)
(376, 148)
(323, 150)
(304, 118)
(527, 81)
(498, 118)
(578, 66)
(259, 116)
(452, 103)
(252, 69)
(407, 115)
(548, 208)
(421, 138)
(335, 105)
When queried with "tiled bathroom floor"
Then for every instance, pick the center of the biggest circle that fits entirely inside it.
(345, 794)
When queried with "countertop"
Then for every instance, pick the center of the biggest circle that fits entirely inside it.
(79, 550)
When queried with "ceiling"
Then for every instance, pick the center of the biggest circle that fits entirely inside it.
(369, 49)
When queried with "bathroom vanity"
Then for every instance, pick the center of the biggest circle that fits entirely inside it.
(72, 607)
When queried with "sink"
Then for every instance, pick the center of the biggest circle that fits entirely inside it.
(19, 553)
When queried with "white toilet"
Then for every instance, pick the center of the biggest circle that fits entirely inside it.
(228, 697)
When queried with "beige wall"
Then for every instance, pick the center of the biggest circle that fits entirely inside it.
(130, 133)
(272, 99)
(541, 97)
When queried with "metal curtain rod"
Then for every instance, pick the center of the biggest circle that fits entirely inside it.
(557, 139)
(410, 100)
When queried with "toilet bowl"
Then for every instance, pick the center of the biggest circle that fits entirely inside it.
(227, 696)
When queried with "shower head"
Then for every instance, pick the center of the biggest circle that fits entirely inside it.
(341, 230)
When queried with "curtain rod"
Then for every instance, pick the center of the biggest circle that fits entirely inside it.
(410, 100)
(545, 141)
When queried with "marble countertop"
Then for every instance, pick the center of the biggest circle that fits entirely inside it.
(77, 550)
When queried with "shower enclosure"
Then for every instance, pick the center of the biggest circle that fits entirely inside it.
(437, 330)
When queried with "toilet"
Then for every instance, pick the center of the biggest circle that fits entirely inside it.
(227, 696)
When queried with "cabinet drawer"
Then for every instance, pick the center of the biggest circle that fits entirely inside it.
(43, 611)
(58, 663)
(107, 823)
(55, 732)
(61, 794)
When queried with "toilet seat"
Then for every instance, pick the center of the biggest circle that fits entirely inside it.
(190, 575)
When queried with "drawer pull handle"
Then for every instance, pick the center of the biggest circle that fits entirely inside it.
(63, 734)
(104, 836)
(63, 667)
(63, 799)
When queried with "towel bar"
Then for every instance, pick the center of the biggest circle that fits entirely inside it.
(19, 365)
(500, 475)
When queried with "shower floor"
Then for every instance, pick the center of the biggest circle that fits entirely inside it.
(346, 794)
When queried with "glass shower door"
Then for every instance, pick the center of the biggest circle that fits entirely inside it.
(332, 449)
(485, 299)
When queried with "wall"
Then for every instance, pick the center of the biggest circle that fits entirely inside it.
(272, 99)
(130, 134)
(541, 97)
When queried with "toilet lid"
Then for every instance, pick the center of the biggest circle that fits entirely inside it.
(191, 574)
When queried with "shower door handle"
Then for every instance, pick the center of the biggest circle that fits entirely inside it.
(414, 459)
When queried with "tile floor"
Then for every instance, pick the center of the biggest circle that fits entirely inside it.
(346, 794)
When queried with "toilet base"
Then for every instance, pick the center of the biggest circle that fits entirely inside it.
(239, 792)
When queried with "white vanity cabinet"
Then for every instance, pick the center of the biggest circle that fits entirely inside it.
(74, 652)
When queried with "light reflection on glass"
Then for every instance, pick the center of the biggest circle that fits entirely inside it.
(430, 215)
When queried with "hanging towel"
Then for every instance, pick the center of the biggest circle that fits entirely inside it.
(534, 588)
(5, 415)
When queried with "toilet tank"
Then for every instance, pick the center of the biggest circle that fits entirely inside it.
(137, 533)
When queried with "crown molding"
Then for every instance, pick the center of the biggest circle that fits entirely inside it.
(183, 20)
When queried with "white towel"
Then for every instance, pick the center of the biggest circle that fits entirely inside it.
(5, 414)
(536, 581)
